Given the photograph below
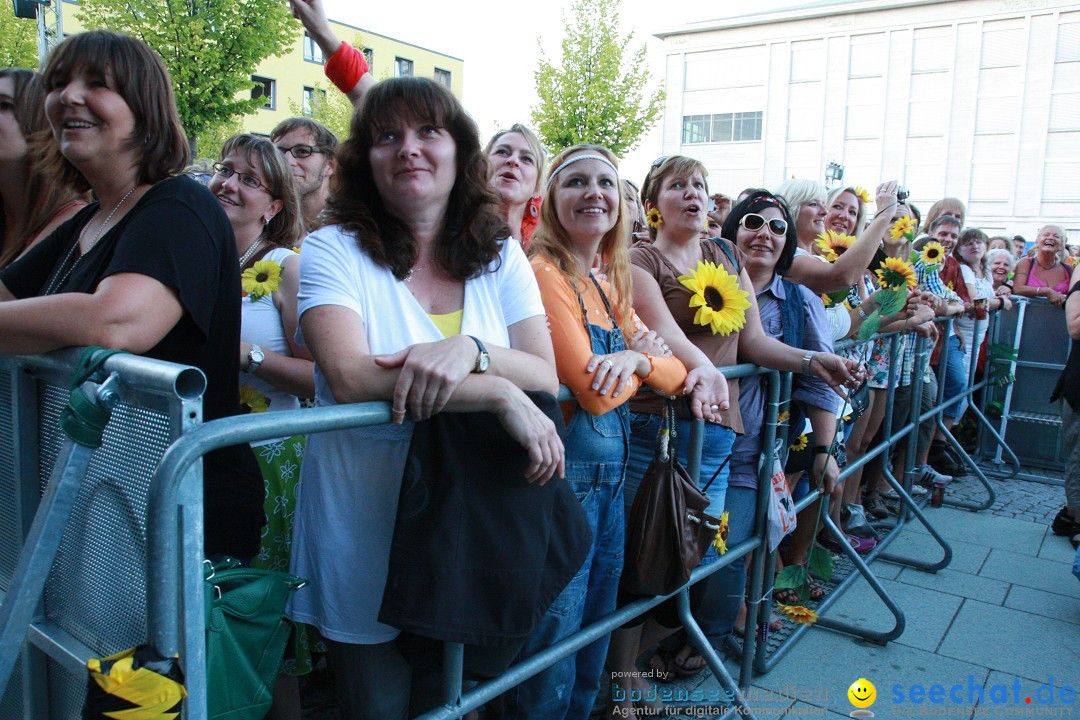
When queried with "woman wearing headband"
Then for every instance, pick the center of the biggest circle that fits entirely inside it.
(603, 357)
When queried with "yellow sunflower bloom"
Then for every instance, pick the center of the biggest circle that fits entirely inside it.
(831, 245)
(783, 416)
(654, 218)
(902, 228)
(863, 194)
(260, 279)
(800, 443)
(720, 302)
(254, 400)
(720, 541)
(798, 613)
(896, 274)
(826, 299)
(932, 254)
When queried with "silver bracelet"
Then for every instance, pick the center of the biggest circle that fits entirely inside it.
(807, 359)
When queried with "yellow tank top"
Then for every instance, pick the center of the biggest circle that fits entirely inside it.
(448, 324)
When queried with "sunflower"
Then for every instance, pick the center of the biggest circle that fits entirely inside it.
(863, 194)
(896, 274)
(260, 279)
(720, 541)
(904, 228)
(255, 401)
(798, 613)
(826, 299)
(783, 416)
(720, 302)
(933, 254)
(654, 218)
(832, 245)
(800, 443)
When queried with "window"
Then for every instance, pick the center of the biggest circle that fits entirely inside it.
(266, 90)
(442, 77)
(402, 67)
(309, 98)
(312, 51)
(369, 55)
(725, 127)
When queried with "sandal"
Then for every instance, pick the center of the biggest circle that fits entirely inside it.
(786, 596)
(690, 665)
(662, 665)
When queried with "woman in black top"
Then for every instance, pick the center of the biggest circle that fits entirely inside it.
(1067, 521)
(151, 268)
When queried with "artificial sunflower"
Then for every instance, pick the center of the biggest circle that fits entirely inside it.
(654, 218)
(798, 613)
(254, 400)
(260, 279)
(896, 274)
(800, 443)
(826, 299)
(933, 254)
(832, 244)
(783, 416)
(904, 228)
(720, 302)
(720, 541)
(863, 194)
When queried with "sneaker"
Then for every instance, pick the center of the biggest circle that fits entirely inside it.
(875, 507)
(860, 545)
(890, 494)
(927, 477)
(1064, 524)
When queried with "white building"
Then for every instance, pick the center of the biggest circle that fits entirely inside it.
(979, 99)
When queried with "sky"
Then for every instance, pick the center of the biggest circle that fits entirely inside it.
(498, 42)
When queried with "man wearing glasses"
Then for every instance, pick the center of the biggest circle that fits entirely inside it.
(309, 147)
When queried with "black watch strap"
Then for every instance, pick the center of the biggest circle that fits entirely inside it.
(821, 449)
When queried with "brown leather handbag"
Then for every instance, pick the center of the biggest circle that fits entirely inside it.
(668, 531)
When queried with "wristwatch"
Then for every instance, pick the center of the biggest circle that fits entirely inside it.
(256, 356)
(807, 359)
(483, 360)
(821, 449)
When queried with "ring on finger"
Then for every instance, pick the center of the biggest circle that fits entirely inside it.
(606, 362)
(714, 407)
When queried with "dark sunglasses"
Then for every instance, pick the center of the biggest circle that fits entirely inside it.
(754, 222)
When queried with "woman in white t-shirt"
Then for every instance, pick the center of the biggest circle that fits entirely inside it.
(971, 252)
(413, 293)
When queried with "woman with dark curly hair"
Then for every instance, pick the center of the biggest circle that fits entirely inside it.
(413, 293)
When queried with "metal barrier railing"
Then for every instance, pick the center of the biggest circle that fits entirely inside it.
(175, 618)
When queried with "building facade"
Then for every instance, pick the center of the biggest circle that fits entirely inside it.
(291, 80)
(978, 99)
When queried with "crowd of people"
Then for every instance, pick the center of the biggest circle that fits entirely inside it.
(414, 265)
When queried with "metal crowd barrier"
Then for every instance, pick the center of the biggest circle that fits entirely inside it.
(73, 522)
(174, 617)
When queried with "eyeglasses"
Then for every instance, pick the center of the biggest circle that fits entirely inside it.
(753, 222)
(301, 151)
(248, 181)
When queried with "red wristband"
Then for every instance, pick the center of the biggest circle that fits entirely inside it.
(345, 67)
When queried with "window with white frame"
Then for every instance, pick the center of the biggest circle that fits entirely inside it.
(403, 67)
(442, 76)
(723, 127)
(266, 90)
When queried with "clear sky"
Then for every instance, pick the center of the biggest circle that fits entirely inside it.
(498, 42)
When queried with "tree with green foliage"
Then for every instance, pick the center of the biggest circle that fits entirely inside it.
(332, 109)
(18, 41)
(598, 94)
(211, 47)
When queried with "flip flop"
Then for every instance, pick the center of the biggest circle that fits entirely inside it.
(662, 664)
(683, 668)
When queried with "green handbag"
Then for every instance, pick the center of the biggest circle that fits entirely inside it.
(246, 632)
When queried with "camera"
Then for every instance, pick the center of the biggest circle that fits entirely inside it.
(902, 194)
(712, 204)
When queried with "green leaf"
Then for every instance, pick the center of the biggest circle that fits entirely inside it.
(820, 563)
(870, 325)
(793, 576)
(891, 301)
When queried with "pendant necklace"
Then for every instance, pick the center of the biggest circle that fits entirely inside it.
(101, 231)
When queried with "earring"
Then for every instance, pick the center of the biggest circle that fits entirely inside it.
(654, 218)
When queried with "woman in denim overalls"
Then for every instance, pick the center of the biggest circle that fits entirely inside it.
(590, 320)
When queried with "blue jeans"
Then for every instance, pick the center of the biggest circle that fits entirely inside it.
(716, 448)
(955, 379)
(595, 452)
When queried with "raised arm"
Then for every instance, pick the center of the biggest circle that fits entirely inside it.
(313, 17)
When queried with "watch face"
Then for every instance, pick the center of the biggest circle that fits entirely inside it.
(258, 355)
(484, 362)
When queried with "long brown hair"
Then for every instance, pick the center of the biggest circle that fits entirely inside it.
(472, 232)
(551, 241)
(138, 75)
(44, 196)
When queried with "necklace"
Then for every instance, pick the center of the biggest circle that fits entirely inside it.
(1044, 267)
(249, 252)
(101, 231)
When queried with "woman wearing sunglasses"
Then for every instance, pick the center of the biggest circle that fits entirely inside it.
(695, 294)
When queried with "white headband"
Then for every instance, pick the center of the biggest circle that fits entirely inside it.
(571, 161)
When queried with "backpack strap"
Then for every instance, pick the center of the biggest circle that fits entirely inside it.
(728, 248)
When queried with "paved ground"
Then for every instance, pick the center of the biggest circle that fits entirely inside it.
(1005, 612)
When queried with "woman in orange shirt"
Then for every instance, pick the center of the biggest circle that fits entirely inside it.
(603, 354)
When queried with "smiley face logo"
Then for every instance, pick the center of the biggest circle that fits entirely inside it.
(862, 694)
